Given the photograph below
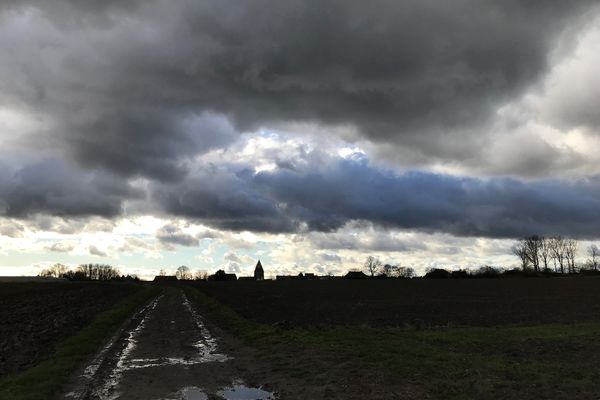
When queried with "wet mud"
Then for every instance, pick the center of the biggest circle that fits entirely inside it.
(164, 352)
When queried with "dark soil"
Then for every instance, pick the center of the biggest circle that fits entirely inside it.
(417, 303)
(35, 317)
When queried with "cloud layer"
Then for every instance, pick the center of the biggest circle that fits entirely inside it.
(124, 85)
(306, 120)
(334, 192)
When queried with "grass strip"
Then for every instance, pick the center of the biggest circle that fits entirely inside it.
(453, 363)
(44, 381)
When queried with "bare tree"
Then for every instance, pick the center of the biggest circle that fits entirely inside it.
(545, 252)
(372, 265)
(594, 259)
(557, 251)
(532, 250)
(520, 251)
(570, 253)
(406, 272)
(97, 272)
(183, 273)
(55, 271)
(201, 275)
(162, 272)
(389, 270)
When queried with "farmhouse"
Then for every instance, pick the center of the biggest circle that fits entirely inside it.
(165, 278)
(221, 275)
(355, 275)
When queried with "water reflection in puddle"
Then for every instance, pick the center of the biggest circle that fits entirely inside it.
(241, 392)
(235, 392)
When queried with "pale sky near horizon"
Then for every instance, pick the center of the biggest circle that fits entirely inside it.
(307, 134)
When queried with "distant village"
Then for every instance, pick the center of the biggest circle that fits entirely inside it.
(259, 275)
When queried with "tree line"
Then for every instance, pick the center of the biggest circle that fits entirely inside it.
(558, 254)
(376, 268)
(184, 273)
(86, 272)
(537, 255)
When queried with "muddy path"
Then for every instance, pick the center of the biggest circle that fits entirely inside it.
(164, 352)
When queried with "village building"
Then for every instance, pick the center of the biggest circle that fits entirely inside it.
(259, 272)
(356, 275)
(221, 275)
(165, 278)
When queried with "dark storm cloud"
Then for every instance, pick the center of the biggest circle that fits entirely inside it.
(149, 143)
(171, 234)
(116, 77)
(224, 199)
(327, 198)
(53, 188)
(134, 89)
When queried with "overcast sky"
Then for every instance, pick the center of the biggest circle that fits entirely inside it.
(149, 134)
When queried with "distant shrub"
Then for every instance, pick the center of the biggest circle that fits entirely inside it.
(459, 274)
(487, 272)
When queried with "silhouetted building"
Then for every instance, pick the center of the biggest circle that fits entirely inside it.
(356, 275)
(438, 273)
(221, 275)
(286, 277)
(259, 273)
(165, 278)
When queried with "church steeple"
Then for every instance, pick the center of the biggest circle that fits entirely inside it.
(259, 273)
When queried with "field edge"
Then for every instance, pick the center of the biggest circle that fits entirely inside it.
(44, 380)
(452, 363)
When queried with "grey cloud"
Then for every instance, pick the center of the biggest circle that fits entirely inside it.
(96, 251)
(403, 72)
(171, 234)
(68, 225)
(233, 267)
(11, 229)
(225, 200)
(62, 247)
(327, 257)
(363, 236)
(230, 256)
(208, 234)
(149, 143)
(338, 191)
(53, 188)
(133, 244)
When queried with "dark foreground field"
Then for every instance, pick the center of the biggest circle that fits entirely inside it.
(36, 316)
(336, 340)
(462, 339)
(419, 303)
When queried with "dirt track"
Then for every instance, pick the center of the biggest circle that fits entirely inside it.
(165, 352)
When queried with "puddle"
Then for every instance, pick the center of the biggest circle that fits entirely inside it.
(206, 351)
(207, 345)
(241, 392)
(107, 390)
(233, 392)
